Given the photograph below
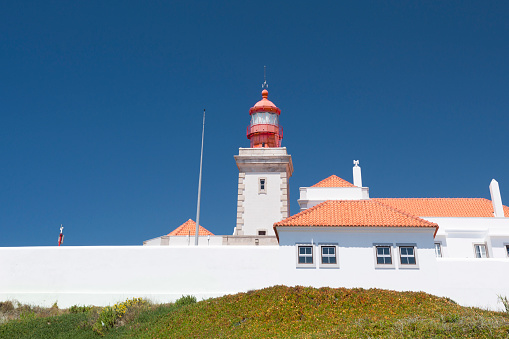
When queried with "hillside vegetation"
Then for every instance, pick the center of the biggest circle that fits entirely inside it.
(276, 312)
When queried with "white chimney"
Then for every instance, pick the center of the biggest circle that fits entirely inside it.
(496, 199)
(357, 178)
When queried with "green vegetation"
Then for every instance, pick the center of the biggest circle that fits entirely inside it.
(186, 300)
(504, 302)
(79, 309)
(279, 311)
(118, 314)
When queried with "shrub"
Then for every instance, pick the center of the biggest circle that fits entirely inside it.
(27, 314)
(185, 300)
(110, 315)
(79, 309)
(6, 306)
(106, 320)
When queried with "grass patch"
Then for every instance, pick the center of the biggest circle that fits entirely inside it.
(278, 312)
(63, 326)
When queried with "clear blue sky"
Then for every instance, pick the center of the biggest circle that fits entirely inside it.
(101, 106)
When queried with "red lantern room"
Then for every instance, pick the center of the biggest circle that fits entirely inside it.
(264, 130)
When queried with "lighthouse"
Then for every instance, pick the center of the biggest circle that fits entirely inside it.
(264, 170)
(264, 129)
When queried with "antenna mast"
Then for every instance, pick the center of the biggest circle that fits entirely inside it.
(265, 84)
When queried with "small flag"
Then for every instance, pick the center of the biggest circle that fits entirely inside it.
(61, 236)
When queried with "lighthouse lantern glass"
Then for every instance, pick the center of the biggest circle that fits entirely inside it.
(264, 118)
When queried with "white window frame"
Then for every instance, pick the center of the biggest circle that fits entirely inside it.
(400, 264)
(336, 255)
(305, 265)
(485, 250)
(375, 255)
(441, 254)
(264, 190)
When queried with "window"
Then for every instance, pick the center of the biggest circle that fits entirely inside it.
(383, 255)
(407, 255)
(329, 255)
(305, 255)
(507, 249)
(438, 250)
(262, 232)
(480, 251)
(262, 187)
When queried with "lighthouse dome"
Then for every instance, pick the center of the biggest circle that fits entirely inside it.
(265, 105)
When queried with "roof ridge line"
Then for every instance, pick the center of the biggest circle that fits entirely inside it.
(193, 223)
(406, 213)
(333, 177)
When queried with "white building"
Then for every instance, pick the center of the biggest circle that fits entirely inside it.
(341, 237)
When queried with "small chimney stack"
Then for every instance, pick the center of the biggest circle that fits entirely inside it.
(496, 200)
(357, 178)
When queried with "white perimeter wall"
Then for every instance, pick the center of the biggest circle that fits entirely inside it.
(105, 275)
(184, 240)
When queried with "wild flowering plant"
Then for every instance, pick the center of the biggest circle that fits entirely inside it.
(110, 315)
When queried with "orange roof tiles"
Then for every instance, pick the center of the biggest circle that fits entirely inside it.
(189, 228)
(354, 213)
(333, 181)
(443, 207)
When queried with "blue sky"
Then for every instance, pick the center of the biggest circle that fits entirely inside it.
(101, 106)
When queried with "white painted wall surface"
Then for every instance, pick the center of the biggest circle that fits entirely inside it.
(333, 193)
(105, 275)
(498, 247)
(262, 210)
(213, 240)
(357, 176)
(496, 199)
(357, 237)
(263, 152)
(473, 282)
(460, 235)
(258, 211)
(311, 196)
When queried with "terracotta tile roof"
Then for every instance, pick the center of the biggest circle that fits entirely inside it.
(333, 181)
(443, 207)
(354, 213)
(189, 228)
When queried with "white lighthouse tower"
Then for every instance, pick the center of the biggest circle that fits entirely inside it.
(264, 171)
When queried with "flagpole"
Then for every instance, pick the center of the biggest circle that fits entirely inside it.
(199, 186)
(61, 236)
